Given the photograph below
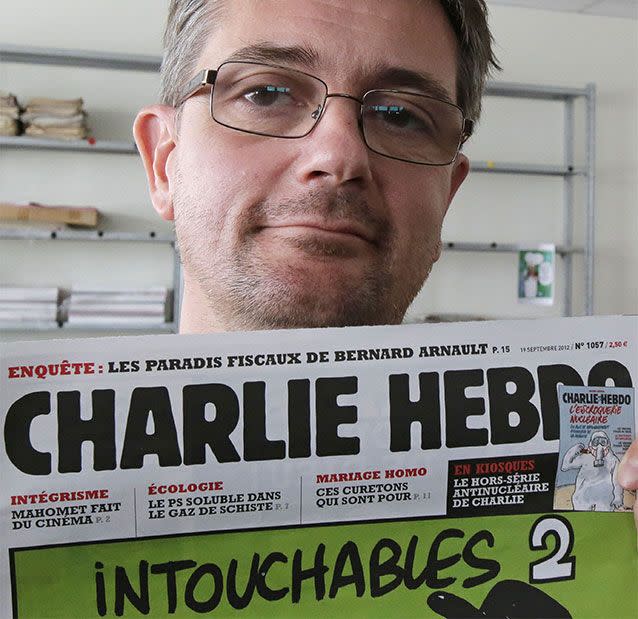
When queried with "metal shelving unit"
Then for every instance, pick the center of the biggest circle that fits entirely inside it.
(568, 171)
(96, 236)
(96, 60)
(75, 58)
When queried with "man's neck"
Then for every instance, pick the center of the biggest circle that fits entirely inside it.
(196, 314)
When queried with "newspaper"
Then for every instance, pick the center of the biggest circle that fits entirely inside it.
(418, 470)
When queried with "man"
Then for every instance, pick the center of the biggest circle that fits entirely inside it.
(303, 192)
(596, 487)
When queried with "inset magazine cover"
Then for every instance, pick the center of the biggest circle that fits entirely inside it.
(596, 428)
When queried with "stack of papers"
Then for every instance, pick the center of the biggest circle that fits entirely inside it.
(117, 307)
(55, 118)
(28, 306)
(9, 114)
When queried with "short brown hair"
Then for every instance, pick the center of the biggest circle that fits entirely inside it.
(190, 23)
(476, 59)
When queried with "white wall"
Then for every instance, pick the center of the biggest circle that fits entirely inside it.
(539, 47)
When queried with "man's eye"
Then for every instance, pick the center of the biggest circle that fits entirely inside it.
(265, 96)
(400, 117)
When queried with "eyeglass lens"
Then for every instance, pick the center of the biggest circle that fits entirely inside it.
(279, 102)
(266, 100)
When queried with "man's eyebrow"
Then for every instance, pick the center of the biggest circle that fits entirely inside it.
(272, 53)
(399, 78)
(383, 76)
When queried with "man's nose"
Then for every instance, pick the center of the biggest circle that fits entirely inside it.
(334, 152)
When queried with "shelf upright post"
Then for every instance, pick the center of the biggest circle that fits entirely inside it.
(568, 203)
(590, 103)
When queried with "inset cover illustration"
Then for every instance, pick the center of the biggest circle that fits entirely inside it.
(596, 428)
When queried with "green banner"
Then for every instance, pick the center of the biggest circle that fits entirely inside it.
(551, 565)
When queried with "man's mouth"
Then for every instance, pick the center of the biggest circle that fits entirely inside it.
(335, 231)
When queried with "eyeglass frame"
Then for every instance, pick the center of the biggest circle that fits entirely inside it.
(207, 77)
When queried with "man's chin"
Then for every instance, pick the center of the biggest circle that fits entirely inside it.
(319, 301)
(309, 320)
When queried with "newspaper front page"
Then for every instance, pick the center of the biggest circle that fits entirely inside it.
(456, 470)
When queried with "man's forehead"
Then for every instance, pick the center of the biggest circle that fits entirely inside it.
(355, 39)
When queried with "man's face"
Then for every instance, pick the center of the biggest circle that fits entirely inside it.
(316, 231)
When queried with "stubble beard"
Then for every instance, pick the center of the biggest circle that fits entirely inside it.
(246, 290)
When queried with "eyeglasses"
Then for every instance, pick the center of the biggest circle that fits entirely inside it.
(280, 102)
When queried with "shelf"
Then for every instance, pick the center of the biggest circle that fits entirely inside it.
(67, 234)
(79, 58)
(534, 91)
(29, 326)
(527, 169)
(168, 327)
(561, 250)
(97, 146)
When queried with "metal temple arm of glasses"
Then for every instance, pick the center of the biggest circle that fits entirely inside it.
(205, 78)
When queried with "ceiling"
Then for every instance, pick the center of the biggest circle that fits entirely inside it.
(610, 8)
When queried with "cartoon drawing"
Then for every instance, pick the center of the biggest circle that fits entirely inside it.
(596, 486)
(514, 599)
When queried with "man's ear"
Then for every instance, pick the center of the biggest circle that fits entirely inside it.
(155, 136)
(460, 169)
